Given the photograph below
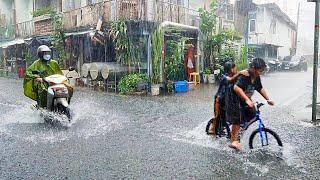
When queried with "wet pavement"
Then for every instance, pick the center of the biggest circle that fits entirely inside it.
(129, 137)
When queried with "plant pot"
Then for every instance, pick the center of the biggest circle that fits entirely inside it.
(211, 79)
(155, 90)
(205, 78)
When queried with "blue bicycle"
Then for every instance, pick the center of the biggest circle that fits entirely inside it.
(262, 136)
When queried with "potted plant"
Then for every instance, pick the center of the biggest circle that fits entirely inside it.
(211, 76)
(206, 74)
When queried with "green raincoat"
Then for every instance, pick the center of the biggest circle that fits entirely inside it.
(36, 90)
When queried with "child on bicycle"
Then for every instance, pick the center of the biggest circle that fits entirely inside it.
(228, 78)
(242, 108)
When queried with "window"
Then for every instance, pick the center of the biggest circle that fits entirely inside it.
(252, 25)
(71, 4)
(230, 13)
(272, 52)
(180, 2)
(252, 15)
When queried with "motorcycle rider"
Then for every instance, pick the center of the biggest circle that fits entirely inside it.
(33, 85)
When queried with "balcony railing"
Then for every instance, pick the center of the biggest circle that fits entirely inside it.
(113, 10)
(170, 12)
(25, 29)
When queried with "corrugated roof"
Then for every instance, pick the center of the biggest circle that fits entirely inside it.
(11, 43)
(79, 33)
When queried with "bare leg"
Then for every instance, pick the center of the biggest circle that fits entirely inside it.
(234, 137)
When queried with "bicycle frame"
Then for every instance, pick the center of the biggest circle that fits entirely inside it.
(263, 136)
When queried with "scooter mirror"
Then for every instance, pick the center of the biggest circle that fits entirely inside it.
(71, 68)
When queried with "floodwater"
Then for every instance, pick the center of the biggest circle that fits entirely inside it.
(163, 137)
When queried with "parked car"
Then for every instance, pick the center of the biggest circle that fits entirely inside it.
(273, 64)
(294, 63)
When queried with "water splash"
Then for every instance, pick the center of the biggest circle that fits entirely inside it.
(260, 159)
(24, 122)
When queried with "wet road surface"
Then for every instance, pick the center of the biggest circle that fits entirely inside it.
(127, 137)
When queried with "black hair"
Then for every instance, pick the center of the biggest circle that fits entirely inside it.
(228, 66)
(258, 63)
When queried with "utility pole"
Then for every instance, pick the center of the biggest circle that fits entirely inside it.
(14, 22)
(247, 9)
(315, 62)
(296, 38)
(246, 42)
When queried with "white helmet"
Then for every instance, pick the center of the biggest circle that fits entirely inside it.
(43, 48)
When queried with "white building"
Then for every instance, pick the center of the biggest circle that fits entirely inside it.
(225, 12)
(271, 32)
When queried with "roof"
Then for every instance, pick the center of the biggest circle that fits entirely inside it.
(10, 43)
(79, 33)
(263, 44)
(277, 11)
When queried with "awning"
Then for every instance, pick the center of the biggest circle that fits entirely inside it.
(274, 45)
(263, 45)
(254, 45)
(78, 33)
(37, 41)
(11, 43)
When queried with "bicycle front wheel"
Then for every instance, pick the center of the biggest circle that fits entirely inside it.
(267, 137)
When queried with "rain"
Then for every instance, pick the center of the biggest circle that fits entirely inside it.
(134, 89)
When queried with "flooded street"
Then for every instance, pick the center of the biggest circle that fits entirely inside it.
(130, 137)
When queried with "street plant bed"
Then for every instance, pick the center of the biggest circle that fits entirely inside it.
(133, 83)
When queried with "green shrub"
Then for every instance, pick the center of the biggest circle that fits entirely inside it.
(42, 11)
(242, 62)
(207, 71)
(130, 82)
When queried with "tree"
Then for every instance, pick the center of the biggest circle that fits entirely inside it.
(208, 27)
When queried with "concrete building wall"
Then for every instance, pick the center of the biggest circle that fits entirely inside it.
(282, 35)
(24, 8)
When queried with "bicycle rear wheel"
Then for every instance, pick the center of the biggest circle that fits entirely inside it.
(268, 138)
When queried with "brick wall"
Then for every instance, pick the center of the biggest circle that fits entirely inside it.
(43, 26)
